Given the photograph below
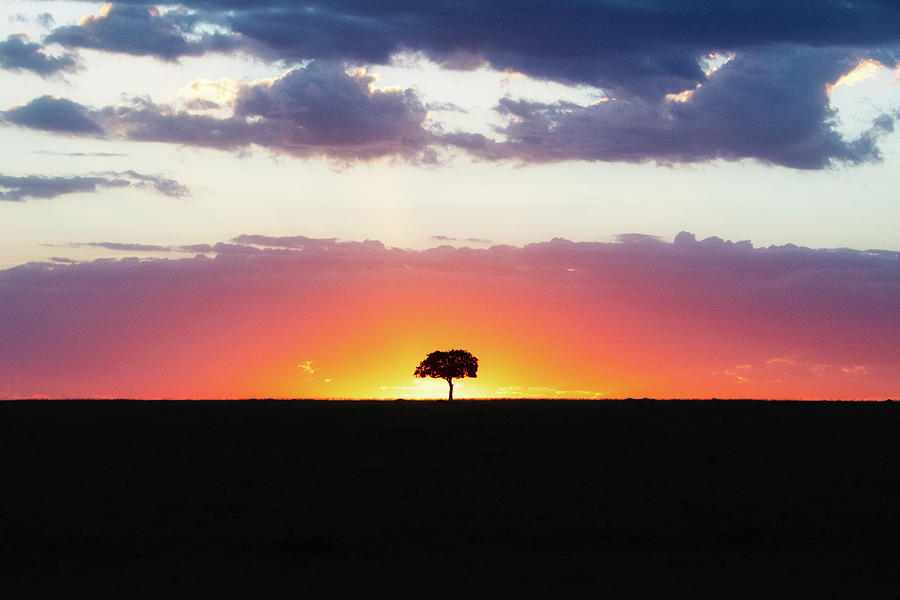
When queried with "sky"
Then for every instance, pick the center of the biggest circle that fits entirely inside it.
(607, 199)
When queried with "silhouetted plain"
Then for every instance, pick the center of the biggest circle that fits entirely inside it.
(498, 499)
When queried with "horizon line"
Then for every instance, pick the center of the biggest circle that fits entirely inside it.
(444, 400)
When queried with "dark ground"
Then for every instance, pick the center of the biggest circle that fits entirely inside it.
(260, 499)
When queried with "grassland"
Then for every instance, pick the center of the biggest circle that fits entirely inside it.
(284, 499)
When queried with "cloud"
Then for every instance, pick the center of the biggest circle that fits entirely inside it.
(307, 366)
(163, 185)
(142, 31)
(197, 248)
(632, 48)
(682, 82)
(132, 247)
(636, 318)
(300, 242)
(637, 238)
(771, 106)
(782, 370)
(517, 391)
(43, 19)
(471, 240)
(124, 247)
(93, 154)
(18, 54)
(316, 110)
(57, 115)
(358, 253)
(19, 189)
(445, 107)
(324, 105)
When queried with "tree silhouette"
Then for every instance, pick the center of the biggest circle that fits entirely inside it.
(450, 365)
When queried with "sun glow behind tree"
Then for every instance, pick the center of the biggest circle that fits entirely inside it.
(449, 365)
(558, 319)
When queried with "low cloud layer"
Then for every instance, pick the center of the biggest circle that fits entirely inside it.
(29, 187)
(637, 317)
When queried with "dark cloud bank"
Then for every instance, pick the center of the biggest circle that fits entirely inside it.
(768, 103)
(647, 47)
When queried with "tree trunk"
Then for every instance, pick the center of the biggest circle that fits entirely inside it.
(450, 381)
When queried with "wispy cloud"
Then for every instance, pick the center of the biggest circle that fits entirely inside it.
(519, 391)
(123, 247)
(18, 189)
(787, 371)
(134, 247)
(470, 240)
(22, 188)
(81, 154)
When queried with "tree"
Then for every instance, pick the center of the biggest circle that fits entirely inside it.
(450, 365)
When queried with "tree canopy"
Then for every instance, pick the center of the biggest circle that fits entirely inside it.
(448, 365)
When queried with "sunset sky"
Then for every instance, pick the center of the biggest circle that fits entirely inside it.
(272, 198)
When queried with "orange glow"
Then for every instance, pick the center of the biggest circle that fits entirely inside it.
(548, 342)
(549, 320)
